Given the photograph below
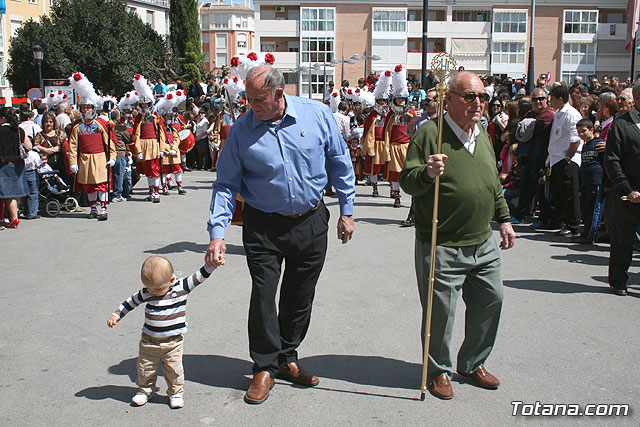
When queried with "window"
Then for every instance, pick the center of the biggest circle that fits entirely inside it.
(509, 22)
(317, 19)
(15, 26)
(508, 53)
(290, 78)
(580, 21)
(267, 46)
(461, 15)
(205, 21)
(293, 15)
(390, 20)
(244, 24)
(317, 49)
(317, 82)
(576, 54)
(221, 21)
(614, 18)
(293, 46)
(568, 76)
(242, 40)
(221, 60)
(151, 18)
(205, 37)
(482, 16)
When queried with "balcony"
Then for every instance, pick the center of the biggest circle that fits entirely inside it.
(160, 3)
(444, 29)
(277, 28)
(286, 60)
(619, 30)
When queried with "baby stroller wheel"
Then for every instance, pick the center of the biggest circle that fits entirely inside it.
(71, 204)
(53, 208)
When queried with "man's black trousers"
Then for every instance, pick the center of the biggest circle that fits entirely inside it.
(270, 239)
(564, 194)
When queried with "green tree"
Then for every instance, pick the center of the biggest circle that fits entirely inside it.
(97, 37)
(185, 36)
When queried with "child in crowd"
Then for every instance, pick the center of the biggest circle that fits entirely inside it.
(511, 183)
(591, 178)
(164, 326)
(55, 184)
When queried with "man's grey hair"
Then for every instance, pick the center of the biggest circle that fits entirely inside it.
(606, 95)
(62, 106)
(273, 78)
(627, 90)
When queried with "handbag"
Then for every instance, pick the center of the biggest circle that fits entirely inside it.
(24, 153)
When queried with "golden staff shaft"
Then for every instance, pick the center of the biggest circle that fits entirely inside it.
(434, 237)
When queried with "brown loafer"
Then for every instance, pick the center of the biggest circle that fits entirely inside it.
(483, 378)
(441, 388)
(293, 373)
(259, 389)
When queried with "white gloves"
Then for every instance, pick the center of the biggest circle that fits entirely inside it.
(161, 154)
(74, 168)
(140, 156)
(372, 154)
(111, 162)
(173, 153)
(216, 147)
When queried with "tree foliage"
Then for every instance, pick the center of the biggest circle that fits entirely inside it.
(185, 36)
(97, 37)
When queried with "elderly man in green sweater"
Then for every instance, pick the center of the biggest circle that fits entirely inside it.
(467, 256)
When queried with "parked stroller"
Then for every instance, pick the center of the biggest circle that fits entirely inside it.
(55, 195)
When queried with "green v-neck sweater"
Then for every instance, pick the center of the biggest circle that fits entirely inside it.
(470, 190)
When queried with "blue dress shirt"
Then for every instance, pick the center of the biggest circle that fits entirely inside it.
(280, 167)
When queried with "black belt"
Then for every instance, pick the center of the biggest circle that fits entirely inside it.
(310, 211)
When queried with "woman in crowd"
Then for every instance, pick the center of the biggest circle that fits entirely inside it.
(50, 141)
(13, 180)
(498, 121)
(416, 94)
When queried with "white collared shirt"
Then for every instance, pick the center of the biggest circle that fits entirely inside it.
(469, 142)
(563, 133)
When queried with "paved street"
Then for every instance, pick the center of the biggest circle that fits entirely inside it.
(563, 337)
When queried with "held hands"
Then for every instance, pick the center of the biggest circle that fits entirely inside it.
(601, 146)
(346, 227)
(73, 168)
(173, 152)
(113, 321)
(140, 156)
(508, 236)
(111, 162)
(435, 165)
(215, 253)
(634, 197)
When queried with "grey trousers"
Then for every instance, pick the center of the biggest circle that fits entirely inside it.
(474, 270)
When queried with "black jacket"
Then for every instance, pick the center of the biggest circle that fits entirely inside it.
(622, 155)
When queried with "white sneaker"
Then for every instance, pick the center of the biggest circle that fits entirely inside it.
(141, 398)
(176, 401)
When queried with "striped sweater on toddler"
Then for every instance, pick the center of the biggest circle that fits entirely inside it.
(165, 315)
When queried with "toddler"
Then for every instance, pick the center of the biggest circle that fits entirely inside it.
(164, 326)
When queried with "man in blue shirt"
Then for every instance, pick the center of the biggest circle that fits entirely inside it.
(159, 89)
(274, 156)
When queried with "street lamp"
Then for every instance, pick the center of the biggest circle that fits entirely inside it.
(324, 66)
(366, 58)
(342, 61)
(37, 55)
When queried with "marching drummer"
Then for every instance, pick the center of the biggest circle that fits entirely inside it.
(171, 158)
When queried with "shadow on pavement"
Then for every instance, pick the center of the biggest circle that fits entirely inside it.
(556, 287)
(199, 248)
(366, 370)
(211, 370)
(590, 259)
(378, 221)
(115, 392)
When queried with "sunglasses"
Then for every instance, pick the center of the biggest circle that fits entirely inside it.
(471, 96)
(539, 98)
(496, 106)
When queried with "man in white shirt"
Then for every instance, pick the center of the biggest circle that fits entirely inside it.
(565, 159)
(344, 123)
(63, 118)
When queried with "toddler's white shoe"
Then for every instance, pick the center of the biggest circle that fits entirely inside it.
(176, 401)
(140, 398)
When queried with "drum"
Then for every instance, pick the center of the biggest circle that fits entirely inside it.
(187, 141)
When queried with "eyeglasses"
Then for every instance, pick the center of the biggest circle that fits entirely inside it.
(539, 98)
(471, 96)
(622, 98)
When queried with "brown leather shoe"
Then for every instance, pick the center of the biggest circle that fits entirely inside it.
(292, 372)
(441, 387)
(259, 388)
(483, 378)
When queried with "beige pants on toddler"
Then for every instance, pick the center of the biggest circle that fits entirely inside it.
(153, 351)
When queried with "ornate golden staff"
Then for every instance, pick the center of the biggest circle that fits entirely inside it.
(443, 66)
